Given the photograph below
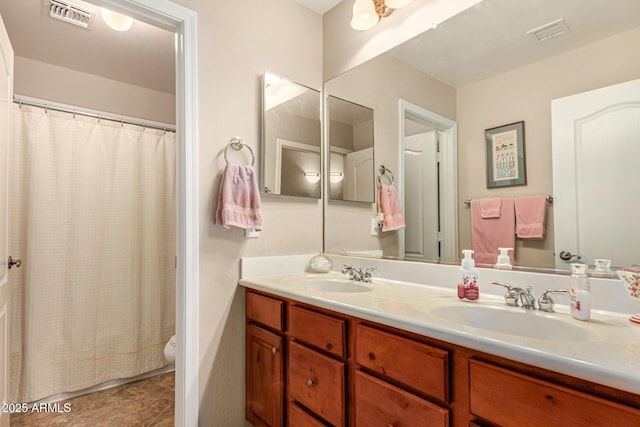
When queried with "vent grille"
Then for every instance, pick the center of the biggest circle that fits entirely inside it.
(70, 13)
(550, 30)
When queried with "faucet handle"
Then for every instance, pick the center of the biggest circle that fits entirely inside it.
(511, 294)
(366, 277)
(545, 302)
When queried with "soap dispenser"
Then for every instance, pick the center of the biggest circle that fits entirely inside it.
(580, 292)
(504, 262)
(468, 289)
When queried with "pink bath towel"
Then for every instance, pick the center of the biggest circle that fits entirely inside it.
(490, 208)
(239, 202)
(531, 217)
(489, 234)
(389, 206)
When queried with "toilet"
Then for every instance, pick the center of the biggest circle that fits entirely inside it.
(170, 350)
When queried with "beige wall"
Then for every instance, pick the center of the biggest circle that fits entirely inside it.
(379, 84)
(52, 83)
(237, 42)
(526, 94)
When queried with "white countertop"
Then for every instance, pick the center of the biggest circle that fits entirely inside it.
(605, 350)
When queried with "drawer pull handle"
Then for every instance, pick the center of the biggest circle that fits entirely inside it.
(309, 382)
(372, 356)
(274, 350)
(329, 346)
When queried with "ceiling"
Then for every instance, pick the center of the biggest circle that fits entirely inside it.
(320, 6)
(123, 56)
(485, 40)
(491, 37)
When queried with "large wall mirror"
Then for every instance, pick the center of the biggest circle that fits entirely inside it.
(350, 136)
(291, 141)
(485, 68)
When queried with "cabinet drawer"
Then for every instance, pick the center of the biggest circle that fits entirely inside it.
(265, 310)
(419, 366)
(381, 404)
(297, 417)
(501, 396)
(317, 382)
(319, 330)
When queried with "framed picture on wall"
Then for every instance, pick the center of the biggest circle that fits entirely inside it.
(506, 155)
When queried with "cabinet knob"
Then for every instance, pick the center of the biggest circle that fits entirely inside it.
(274, 350)
(309, 382)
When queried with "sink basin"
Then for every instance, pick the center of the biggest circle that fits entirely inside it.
(513, 321)
(332, 285)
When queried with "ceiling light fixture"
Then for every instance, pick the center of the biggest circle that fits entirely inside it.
(367, 13)
(115, 20)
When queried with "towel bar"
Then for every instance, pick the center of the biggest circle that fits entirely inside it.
(549, 200)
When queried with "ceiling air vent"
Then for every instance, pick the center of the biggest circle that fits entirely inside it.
(71, 13)
(550, 30)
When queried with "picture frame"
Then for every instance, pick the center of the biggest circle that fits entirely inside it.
(505, 150)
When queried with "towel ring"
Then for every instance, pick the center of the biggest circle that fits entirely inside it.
(383, 171)
(238, 144)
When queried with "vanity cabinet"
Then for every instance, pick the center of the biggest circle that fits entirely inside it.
(344, 371)
(264, 368)
(316, 364)
(504, 397)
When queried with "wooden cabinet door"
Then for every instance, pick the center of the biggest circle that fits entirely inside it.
(265, 377)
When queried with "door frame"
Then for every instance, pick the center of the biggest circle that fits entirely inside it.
(448, 175)
(173, 17)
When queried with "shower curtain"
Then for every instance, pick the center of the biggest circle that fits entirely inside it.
(93, 220)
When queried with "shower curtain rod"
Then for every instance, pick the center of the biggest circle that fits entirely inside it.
(32, 102)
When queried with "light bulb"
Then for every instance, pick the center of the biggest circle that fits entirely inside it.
(397, 4)
(116, 21)
(364, 15)
(312, 177)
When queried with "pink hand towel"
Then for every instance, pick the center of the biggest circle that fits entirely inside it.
(239, 202)
(489, 234)
(531, 217)
(389, 205)
(490, 208)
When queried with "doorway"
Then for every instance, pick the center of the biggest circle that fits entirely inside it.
(180, 20)
(428, 184)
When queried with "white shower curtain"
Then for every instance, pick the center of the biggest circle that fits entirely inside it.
(93, 220)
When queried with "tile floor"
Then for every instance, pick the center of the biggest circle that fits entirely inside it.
(148, 402)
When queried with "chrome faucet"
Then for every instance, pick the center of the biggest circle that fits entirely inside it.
(545, 302)
(510, 295)
(515, 294)
(527, 300)
(357, 274)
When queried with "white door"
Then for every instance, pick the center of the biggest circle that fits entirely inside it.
(421, 196)
(358, 176)
(6, 94)
(596, 147)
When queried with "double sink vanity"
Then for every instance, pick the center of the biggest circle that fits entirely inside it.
(324, 349)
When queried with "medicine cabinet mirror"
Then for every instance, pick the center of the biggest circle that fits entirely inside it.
(291, 138)
(350, 136)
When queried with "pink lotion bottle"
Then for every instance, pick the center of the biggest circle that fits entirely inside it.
(468, 289)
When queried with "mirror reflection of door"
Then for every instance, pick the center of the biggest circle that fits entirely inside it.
(291, 139)
(596, 147)
(427, 180)
(421, 191)
(351, 141)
